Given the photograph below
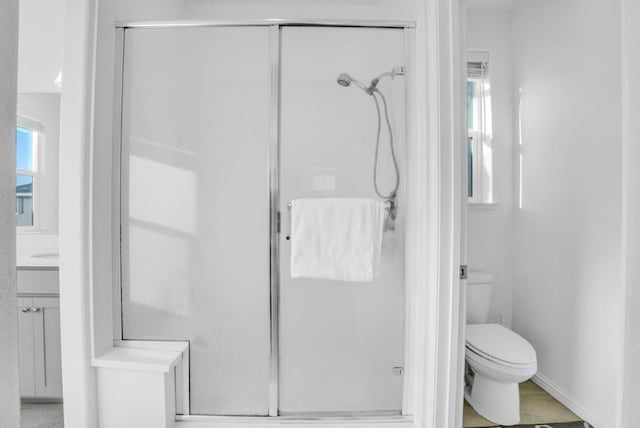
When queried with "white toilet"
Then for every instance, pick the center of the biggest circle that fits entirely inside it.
(497, 358)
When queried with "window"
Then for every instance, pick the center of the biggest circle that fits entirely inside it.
(479, 138)
(27, 135)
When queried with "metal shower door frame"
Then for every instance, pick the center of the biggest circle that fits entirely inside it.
(120, 177)
(274, 197)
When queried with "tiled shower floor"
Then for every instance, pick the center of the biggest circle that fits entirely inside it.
(536, 407)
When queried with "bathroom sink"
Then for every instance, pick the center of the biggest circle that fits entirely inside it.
(45, 255)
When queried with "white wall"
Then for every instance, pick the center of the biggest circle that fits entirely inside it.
(78, 377)
(631, 222)
(9, 397)
(566, 299)
(490, 244)
(41, 44)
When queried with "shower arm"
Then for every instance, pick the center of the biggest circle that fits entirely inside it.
(396, 71)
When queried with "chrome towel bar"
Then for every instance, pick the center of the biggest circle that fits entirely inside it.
(389, 224)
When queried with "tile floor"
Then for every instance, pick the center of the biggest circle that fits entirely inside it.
(41, 415)
(536, 407)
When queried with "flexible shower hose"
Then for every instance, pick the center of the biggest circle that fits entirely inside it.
(391, 196)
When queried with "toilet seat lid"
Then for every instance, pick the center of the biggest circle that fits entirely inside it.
(500, 344)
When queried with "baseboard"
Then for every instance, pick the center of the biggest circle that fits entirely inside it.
(559, 394)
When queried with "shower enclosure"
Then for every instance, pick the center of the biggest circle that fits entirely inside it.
(222, 126)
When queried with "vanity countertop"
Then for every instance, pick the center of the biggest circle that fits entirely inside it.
(38, 261)
(37, 250)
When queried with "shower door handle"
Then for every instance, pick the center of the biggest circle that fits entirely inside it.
(278, 222)
(289, 208)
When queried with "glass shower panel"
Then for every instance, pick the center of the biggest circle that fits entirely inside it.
(195, 206)
(341, 343)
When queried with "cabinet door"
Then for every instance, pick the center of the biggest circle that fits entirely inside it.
(26, 347)
(48, 373)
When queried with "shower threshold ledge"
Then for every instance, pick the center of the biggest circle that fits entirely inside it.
(195, 421)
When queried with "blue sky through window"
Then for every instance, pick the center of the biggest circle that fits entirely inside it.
(24, 149)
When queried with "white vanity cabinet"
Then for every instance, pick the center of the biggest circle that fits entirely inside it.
(39, 334)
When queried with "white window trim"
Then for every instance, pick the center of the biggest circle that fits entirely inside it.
(476, 177)
(482, 191)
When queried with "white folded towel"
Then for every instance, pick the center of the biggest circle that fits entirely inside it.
(336, 238)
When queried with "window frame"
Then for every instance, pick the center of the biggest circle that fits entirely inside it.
(482, 189)
(38, 130)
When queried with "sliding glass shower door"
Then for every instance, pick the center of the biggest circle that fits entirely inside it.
(221, 128)
(195, 206)
(341, 343)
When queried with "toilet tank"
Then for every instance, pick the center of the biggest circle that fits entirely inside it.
(479, 290)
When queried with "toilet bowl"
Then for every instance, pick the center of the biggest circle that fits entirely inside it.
(498, 361)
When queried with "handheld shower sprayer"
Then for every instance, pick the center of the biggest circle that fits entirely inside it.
(345, 80)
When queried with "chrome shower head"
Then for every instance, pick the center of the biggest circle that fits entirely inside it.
(344, 79)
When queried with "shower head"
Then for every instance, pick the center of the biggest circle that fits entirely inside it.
(344, 79)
